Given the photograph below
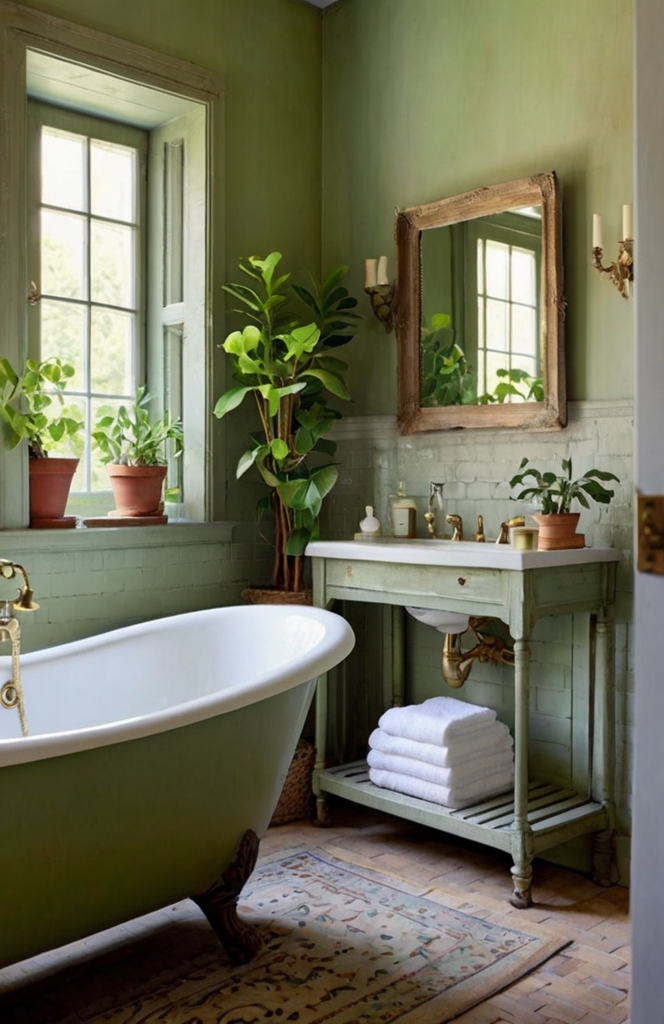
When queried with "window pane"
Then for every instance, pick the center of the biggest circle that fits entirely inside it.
(63, 169)
(112, 266)
(525, 363)
(111, 348)
(523, 277)
(480, 266)
(112, 181)
(494, 361)
(63, 335)
(497, 335)
(497, 270)
(63, 254)
(524, 333)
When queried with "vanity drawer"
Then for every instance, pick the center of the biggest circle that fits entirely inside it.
(414, 584)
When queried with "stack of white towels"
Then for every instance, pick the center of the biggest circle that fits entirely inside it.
(442, 750)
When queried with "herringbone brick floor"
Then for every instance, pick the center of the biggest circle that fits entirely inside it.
(587, 983)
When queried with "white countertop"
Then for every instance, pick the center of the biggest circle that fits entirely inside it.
(459, 554)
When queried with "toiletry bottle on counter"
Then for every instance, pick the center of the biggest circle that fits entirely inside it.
(404, 514)
(369, 526)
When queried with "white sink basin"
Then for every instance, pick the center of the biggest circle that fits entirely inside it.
(471, 554)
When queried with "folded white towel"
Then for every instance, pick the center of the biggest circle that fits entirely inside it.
(479, 769)
(449, 797)
(437, 720)
(491, 739)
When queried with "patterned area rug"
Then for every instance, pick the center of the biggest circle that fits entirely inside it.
(342, 945)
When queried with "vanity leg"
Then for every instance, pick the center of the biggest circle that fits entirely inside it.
(604, 862)
(522, 843)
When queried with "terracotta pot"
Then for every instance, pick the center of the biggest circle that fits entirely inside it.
(50, 483)
(137, 489)
(270, 595)
(557, 531)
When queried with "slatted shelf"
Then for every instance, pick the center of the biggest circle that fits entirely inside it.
(550, 808)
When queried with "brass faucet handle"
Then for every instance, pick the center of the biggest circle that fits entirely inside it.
(503, 536)
(457, 523)
(479, 535)
(431, 523)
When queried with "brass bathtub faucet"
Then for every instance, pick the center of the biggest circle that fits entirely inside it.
(25, 602)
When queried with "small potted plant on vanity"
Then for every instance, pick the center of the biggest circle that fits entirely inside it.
(555, 494)
(33, 409)
(284, 359)
(133, 447)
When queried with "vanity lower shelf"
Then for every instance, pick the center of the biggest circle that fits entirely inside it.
(555, 814)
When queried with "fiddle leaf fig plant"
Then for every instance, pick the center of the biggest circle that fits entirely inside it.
(283, 359)
(130, 437)
(556, 492)
(29, 403)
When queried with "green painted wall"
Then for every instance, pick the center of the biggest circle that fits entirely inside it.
(429, 98)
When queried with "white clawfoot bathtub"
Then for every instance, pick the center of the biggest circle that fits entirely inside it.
(154, 761)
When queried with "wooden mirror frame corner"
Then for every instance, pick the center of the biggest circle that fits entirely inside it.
(549, 414)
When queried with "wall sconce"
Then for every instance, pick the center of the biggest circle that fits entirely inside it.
(621, 272)
(379, 290)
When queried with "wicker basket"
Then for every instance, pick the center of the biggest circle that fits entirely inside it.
(270, 595)
(297, 799)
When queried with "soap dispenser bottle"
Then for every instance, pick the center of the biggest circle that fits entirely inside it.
(404, 514)
(370, 525)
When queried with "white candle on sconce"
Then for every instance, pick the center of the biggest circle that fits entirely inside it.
(597, 231)
(382, 271)
(370, 273)
(627, 221)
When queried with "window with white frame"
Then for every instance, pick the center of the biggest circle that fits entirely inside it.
(118, 250)
(89, 242)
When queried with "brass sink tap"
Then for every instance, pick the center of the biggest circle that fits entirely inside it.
(504, 536)
(479, 535)
(457, 523)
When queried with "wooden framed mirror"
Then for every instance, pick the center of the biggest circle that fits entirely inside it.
(480, 311)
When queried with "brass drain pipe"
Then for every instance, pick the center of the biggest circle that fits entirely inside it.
(457, 663)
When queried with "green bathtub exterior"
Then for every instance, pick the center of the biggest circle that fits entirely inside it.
(94, 838)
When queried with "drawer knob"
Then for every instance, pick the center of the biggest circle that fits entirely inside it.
(462, 581)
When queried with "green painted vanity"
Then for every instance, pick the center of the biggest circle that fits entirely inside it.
(518, 587)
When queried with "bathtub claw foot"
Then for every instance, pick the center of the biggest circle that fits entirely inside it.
(219, 904)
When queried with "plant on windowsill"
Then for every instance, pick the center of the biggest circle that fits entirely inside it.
(555, 494)
(133, 447)
(284, 359)
(29, 412)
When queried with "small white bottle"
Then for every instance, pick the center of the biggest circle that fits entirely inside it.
(369, 526)
(404, 514)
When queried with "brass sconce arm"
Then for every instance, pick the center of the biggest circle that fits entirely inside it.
(381, 293)
(621, 271)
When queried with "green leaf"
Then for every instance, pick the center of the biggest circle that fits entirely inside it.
(298, 541)
(246, 461)
(279, 449)
(334, 384)
(230, 400)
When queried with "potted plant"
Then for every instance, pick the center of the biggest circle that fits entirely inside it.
(283, 358)
(133, 447)
(29, 411)
(555, 494)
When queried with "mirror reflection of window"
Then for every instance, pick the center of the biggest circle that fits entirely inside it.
(480, 332)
